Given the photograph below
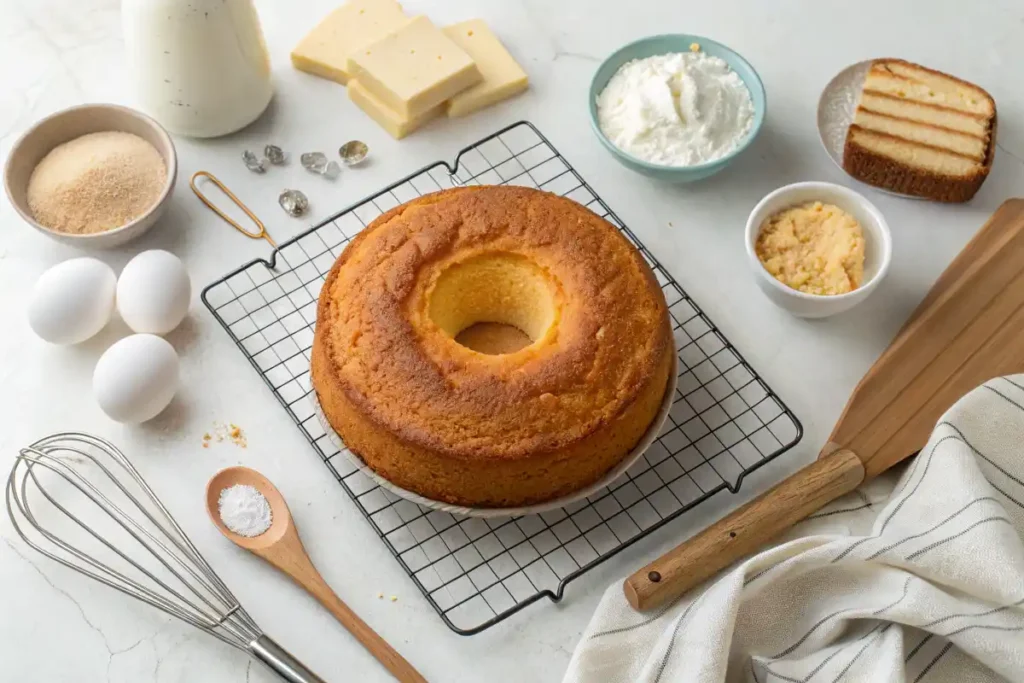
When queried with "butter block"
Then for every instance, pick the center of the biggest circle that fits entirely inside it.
(414, 68)
(503, 77)
(324, 51)
(388, 119)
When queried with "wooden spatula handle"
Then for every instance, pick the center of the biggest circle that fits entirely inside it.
(743, 531)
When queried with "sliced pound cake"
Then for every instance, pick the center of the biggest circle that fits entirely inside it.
(921, 132)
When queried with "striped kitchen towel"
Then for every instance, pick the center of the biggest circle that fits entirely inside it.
(918, 577)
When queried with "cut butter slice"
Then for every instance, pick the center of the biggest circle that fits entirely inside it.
(503, 77)
(324, 51)
(414, 68)
(388, 119)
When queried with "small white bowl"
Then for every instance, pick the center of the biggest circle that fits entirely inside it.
(877, 247)
(72, 123)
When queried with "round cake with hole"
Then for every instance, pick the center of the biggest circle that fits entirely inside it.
(491, 347)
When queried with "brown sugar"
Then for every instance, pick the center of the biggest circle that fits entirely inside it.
(96, 182)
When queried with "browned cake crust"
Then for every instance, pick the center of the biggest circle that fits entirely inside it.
(890, 174)
(883, 171)
(935, 72)
(451, 424)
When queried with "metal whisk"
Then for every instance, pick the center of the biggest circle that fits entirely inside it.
(82, 483)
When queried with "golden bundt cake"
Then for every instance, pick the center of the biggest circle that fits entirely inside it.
(516, 426)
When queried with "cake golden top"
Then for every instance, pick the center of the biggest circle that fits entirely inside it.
(424, 271)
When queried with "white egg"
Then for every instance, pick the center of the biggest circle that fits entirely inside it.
(72, 301)
(153, 292)
(136, 378)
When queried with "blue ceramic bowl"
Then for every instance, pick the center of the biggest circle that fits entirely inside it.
(660, 45)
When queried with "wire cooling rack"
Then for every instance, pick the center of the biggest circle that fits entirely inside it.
(725, 422)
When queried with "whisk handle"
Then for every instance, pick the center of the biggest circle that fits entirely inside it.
(282, 662)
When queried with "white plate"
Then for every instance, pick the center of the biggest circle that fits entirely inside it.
(836, 108)
(645, 442)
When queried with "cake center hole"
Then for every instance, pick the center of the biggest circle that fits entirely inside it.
(494, 303)
(493, 338)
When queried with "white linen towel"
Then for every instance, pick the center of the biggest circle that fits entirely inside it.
(916, 580)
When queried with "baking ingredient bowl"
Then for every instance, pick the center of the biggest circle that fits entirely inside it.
(67, 125)
(877, 247)
(665, 44)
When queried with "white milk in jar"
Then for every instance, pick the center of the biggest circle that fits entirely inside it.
(201, 66)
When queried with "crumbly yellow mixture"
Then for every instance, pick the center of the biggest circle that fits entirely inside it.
(814, 248)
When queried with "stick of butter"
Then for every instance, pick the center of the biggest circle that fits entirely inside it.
(325, 50)
(414, 68)
(387, 118)
(503, 77)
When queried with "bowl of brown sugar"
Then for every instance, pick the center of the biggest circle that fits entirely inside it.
(93, 176)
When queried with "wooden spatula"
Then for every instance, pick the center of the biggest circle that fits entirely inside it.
(968, 329)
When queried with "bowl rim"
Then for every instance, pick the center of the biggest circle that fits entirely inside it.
(753, 230)
(171, 161)
(760, 114)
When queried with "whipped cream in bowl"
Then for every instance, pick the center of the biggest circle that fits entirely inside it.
(676, 107)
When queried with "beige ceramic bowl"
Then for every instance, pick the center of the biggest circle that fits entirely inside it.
(72, 123)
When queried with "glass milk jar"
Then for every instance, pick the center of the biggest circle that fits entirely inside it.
(201, 66)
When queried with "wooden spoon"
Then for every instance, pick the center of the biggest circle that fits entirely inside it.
(280, 546)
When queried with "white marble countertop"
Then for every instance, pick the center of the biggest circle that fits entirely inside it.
(58, 626)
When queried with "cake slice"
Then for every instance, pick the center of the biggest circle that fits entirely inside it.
(921, 132)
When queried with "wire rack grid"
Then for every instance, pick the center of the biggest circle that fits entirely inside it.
(725, 422)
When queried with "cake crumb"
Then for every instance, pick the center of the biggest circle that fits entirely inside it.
(380, 596)
(394, 598)
(237, 436)
(694, 47)
(229, 431)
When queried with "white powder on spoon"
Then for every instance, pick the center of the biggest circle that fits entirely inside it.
(244, 510)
